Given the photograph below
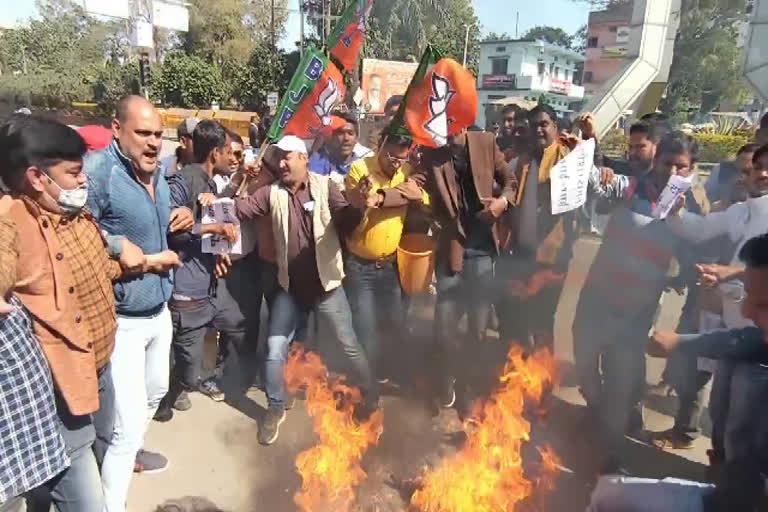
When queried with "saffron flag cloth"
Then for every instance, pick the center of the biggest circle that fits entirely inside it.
(315, 90)
(348, 34)
(441, 100)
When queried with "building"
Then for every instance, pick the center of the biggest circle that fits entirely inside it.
(527, 69)
(607, 43)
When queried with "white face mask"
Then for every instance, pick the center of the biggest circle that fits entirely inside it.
(72, 201)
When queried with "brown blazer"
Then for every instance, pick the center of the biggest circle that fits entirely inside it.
(438, 177)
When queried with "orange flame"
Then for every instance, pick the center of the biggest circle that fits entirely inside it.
(331, 469)
(487, 473)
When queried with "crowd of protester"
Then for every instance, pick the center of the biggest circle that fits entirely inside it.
(107, 292)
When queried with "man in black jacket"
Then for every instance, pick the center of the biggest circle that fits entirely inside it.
(197, 302)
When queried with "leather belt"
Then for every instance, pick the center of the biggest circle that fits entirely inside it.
(379, 262)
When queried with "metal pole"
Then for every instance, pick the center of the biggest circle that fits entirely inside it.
(301, 17)
(517, 25)
(273, 24)
(466, 44)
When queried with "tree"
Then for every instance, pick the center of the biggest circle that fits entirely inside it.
(57, 55)
(554, 35)
(252, 81)
(579, 40)
(493, 36)
(400, 29)
(707, 63)
(231, 29)
(189, 81)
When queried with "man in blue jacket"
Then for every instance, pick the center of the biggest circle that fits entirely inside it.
(131, 200)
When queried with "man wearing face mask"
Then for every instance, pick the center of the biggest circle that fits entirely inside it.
(64, 278)
(131, 201)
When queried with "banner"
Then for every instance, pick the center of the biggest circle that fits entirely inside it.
(222, 211)
(441, 100)
(348, 34)
(383, 79)
(569, 178)
(315, 90)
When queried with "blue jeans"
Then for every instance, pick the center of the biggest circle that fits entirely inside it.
(457, 293)
(285, 317)
(77, 488)
(375, 298)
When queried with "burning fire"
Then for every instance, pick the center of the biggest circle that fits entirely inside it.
(330, 470)
(487, 473)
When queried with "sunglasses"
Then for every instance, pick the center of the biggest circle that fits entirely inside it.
(396, 160)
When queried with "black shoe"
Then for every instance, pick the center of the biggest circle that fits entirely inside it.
(365, 409)
(163, 414)
(270, 427)
(290, 402)
(448, 393)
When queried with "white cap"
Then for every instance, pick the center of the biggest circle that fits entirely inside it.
(291, 143)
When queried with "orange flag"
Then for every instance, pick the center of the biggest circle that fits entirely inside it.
(441, 101)
(349, 32)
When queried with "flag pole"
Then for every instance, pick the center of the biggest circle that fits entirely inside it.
(262, 151)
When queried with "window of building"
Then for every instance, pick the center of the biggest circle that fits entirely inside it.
(555, 59)
(592, 42)
(541, 68)
(567, 74)
(499, 66)
(551, 68)
(501, 49)
(556, 73)
(587, 77)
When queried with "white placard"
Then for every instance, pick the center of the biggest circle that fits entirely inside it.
(169, 15)
(676, 187)
(222, 211)
(272, 99)
(112, 8)
(570, 178)
(141, 36)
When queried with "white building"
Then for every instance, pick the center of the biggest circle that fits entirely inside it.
(527, 69)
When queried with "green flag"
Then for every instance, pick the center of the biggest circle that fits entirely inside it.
(347, 37)
(315, 90)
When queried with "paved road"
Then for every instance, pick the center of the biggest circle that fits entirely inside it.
(214, 452)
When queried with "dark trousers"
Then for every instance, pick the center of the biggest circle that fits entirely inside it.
(191, 320)
(466, 291)
(528, 320)
(78, 488)
(375, 299)
(244, 285)
(613, 392)
(689, 383)
(719, 401)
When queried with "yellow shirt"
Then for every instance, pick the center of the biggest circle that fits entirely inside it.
(378, 235)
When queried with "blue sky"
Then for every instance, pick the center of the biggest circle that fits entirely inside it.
(495, 15)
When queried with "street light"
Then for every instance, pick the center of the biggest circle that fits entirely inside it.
(466, 42)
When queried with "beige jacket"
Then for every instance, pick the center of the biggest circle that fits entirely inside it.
(330, 265)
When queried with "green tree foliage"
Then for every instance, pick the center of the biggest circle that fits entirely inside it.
(224, 30)
(252, 81)
(554, 35)
(400, 29)
(189, 81)
(707, 65)
(52, 61)
(493, 36)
